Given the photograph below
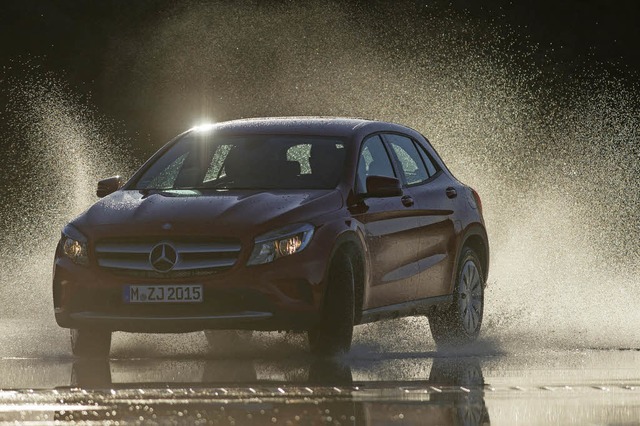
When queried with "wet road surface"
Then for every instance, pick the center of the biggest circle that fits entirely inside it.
(272, 380)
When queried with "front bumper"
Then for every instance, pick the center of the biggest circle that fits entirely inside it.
(169, 324)
(283, 295)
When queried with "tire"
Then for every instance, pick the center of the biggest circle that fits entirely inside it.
(466, 408)
(447, 371)
(460, 322)
(332, 336)
(329, 372)
(87, 343)
(91, 373)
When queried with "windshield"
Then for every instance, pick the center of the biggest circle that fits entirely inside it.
(207, 161)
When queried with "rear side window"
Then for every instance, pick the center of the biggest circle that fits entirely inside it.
(428, 161)
(409, 158)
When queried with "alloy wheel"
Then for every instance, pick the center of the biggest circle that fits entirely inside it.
(471, 297)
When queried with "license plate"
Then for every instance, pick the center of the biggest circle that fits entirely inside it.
(183, 293)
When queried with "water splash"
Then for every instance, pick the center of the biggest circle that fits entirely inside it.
(555, 158)
(55, 148)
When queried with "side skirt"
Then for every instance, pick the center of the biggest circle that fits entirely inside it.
(406, 309)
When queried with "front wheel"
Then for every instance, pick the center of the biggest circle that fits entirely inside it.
(459, 323)
(333, 334)
(87, 343)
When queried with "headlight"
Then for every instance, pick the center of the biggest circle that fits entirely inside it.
(74, 245)
(280, 243)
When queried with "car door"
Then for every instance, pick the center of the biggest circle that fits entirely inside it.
(390, 230)
(429, 188)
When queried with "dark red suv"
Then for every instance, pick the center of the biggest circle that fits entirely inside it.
(300, 224)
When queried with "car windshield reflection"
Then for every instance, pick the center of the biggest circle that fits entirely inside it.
(246, 163)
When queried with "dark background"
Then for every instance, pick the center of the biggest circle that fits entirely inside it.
(75, 40)
(74, 34)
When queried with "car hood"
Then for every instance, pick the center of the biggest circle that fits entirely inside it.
(189, 212)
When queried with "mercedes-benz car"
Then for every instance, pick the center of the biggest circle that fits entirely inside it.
(295, 224)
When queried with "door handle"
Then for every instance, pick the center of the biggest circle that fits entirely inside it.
(407, 200)
(451, 192)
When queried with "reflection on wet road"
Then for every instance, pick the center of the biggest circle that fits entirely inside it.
(271, 379)
(255, 392)
(428, 388)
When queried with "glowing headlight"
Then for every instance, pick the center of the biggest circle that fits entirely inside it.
(74, 245)
(280, 243)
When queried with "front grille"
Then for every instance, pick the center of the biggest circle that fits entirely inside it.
(171, 258)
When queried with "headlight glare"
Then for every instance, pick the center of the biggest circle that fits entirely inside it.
(74, 245)
(289, 245)
(72, 248)
(283, 242)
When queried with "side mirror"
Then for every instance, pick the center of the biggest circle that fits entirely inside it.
(108, 186)
(383, 186)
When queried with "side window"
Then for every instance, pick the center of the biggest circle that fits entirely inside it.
(431, 165)
(373, 161)
(409, 159)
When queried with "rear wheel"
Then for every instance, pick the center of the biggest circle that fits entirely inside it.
(333, 334)
(460, 322)
(88, 343)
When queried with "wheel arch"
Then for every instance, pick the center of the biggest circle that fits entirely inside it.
(476, 239)
(349, 244)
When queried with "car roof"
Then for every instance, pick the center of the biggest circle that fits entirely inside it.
(329, 126)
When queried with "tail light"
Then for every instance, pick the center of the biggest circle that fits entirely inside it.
(478, 200)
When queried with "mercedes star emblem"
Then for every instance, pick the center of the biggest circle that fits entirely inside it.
(163, 257)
